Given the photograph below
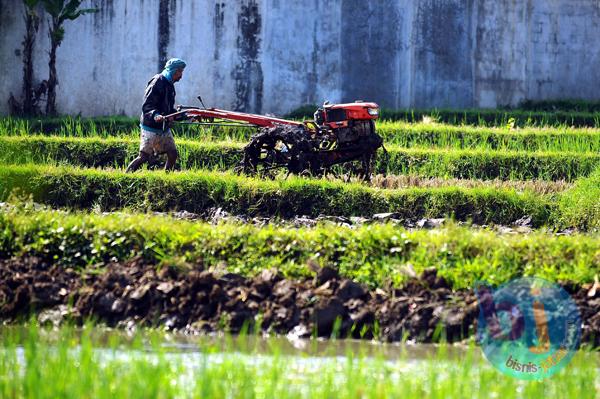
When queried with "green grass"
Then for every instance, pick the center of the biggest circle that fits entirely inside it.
(434, 135)
(580, 206)
(118, 152)
(486, 164)
(570, 105)
(464, 164)
(112, 152)
(196, 191)
(110, 127)
(72, 364)
(559, 138)
(542, 187)
(483, 117)
(493, 117)
(376, 255)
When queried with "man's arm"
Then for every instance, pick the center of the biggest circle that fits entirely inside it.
(152, 99)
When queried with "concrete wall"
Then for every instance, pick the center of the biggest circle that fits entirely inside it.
(271, 56)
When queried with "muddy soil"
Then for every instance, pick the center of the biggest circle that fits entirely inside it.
(198, 301)
(218, 215)
(523, 225)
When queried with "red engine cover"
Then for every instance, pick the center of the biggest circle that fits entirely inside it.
(357, 110)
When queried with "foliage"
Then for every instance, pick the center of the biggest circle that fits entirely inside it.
(430, 135)
(583, 114)
(484, 117)
(567, 105)
(198, 191)
(377, 254)
(59, 11)
(436, 162)
(580, 206)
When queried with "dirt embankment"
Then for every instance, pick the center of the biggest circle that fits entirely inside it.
(134, 293)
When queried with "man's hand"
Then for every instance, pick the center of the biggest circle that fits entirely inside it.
(161, 118)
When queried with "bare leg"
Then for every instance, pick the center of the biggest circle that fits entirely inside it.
(136, 163)
(171, 159)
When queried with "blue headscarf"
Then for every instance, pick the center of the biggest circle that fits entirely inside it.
(171, 66)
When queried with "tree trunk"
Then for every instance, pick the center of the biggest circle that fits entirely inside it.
(52, 79)
(32, 23)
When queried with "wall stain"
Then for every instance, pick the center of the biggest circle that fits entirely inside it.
(166, 9)
(219, 25)
(3, 17)
(312, 78)
(460, 53)
(248, 74)
(2, 14)
(443, 54)
(105, 15)
(370, 47)
(218, 81)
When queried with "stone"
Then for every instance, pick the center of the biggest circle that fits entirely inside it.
(325, 314)
(525, 221)
(381, 217)
(350, 290)
(325, 274)
(165, 287)
(430, 223)
(118, 306)
(140, 292)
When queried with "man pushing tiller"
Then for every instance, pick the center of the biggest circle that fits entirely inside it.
(159, 100)
(339, 133)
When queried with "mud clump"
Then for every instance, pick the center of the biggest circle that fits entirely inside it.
(135, 293)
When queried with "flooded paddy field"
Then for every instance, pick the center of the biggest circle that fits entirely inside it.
(95, 362)
(207, 283)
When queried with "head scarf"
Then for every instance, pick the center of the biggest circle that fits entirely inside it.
(172, 66)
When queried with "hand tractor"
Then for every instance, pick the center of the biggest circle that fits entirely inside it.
(339, 133)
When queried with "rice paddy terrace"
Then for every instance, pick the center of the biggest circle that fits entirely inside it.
(205, 249)
(480, 174)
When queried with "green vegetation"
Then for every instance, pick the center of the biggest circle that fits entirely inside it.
(197, 191)
(551, 174)
(484, 117)
(466, 164)
(73, 364)
(534, 114)
(418, 165)
(484, 164)
(580, 206)
(109, 127)
(570, 105)
(413, 134)
(412, 181)
(112, 152)
(489, 138)
(377, 254)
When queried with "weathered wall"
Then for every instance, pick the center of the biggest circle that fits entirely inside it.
(271, 56)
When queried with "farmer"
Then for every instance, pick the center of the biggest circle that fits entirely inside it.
(159, 100)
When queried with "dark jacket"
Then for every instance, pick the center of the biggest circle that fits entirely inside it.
(159, 98)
